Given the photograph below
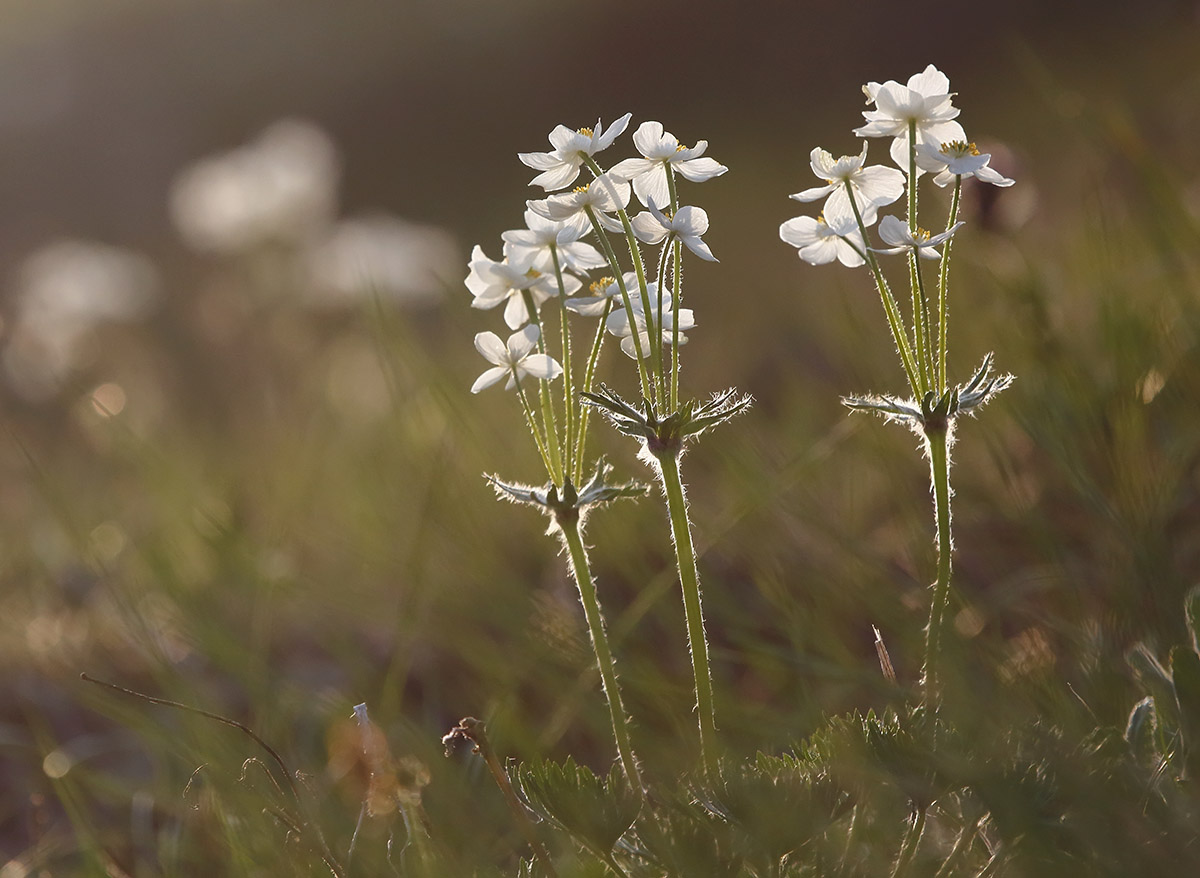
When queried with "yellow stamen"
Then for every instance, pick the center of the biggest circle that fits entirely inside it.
(586, 132)
(598, 287)
(580, 189)
(959, 148)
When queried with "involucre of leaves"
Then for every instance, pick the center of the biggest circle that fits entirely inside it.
(594, 812)
(778, 805)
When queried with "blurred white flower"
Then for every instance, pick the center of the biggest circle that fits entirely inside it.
(560, 167)
(873, 187)
(662, 150)
(618, 322)
(382, 256)
(958, 158)
(281, 187)
(66, 289)
(514, 359)
(687, 225)
(896, 232)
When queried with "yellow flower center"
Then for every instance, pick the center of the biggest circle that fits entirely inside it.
(921, 235)
(598, 287)
(586, 132)
(580, 189)
(959, 148)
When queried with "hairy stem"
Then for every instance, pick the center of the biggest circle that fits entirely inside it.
(569, 529)
(689, 580)
(939, 475)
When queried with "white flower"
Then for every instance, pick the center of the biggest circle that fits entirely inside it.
(925, 101)
(561, 166)
(958, 158)
(514, 359)
(832, 235)
(493, 282)
(873, 187)
(533, 243)
(601, 291)
(619, 325)
(380, 256)
(66, 290)
(606, 193)
(283, 186)
(661, 151)
(687, 225)
(895, 231)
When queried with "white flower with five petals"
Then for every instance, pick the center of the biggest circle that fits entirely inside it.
(873, 187)
(662, 153)
(560, 166)
(687, 225)
(514, 359)
(606, 193)
(493, 282)
(896, 232)
(925, 102)
(958, 158)
(534, 243)
(832, 235)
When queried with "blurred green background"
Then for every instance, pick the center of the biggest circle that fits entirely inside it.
(232, 477)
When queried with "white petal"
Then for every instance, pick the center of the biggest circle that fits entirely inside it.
(490, 377)
(540, 366)
(520, 343)
(647, 137)
(693, 243)
(701, 169)
(515, 312)
(690, 221)
(815, 193)
(556, 178)
(652, 188)
(492, 348)
(614, 131)
(647, 228)
(609, 192)
(800, 231)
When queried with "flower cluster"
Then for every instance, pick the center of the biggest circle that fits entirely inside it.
(921, 119)
(567, 256)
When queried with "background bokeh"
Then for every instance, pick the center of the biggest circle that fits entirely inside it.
(234, 475)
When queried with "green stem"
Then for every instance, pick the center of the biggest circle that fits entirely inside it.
(531, 420)
(921, 319)
(589, 376)
(943, 274)
(618, 275)
(569, 402)
(912, 840)
(569, 528)
(937, 437)
(890, 307)
(548, 419)
(689, 580)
